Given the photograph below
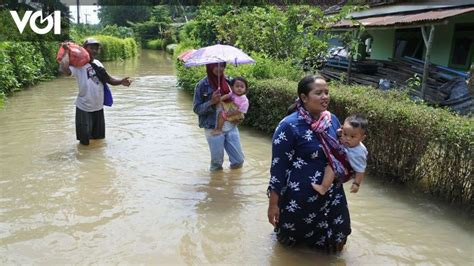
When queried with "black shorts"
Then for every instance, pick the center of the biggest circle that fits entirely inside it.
(89, 125)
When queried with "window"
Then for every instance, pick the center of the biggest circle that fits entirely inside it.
(408, 42)
(462, 49)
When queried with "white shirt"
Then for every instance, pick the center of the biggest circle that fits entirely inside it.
(91, 91)
(357, 157)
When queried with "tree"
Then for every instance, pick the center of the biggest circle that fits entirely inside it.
(157, 26)
(122, 15)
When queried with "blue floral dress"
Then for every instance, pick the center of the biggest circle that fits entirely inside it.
(297, 161)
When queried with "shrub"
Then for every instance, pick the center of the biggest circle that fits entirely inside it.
(156, 44)
(8, 81)
(170, 48)
(113, 48)
(25, 63)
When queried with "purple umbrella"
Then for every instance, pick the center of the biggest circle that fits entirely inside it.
(218, 54)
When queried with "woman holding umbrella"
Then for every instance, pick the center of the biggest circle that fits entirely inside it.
(207, 95)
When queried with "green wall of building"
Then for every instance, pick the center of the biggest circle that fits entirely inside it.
(384, 41)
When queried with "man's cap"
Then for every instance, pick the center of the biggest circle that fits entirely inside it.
(90, 41)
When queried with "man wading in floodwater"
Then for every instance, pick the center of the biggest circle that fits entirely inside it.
(91, 79)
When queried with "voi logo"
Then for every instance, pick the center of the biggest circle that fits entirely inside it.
(53, 20)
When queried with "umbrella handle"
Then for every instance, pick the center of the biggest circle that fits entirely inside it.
(218, 78)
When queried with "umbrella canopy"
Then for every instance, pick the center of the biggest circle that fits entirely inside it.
(218, 53)
(184, 56)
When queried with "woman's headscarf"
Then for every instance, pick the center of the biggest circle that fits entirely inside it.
(213, 79)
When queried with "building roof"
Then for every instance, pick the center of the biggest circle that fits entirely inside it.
(409, 6)
(405, 19)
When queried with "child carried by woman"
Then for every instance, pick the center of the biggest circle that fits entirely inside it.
(234, 105)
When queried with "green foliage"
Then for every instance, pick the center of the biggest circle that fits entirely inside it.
(293, 32)
(158, 27)
(269, 101)
(414, 82)
(2, 99)
(116, 31)
(8, 82)
(184, 35)
(170, 48)
(122, 15)
(113, 48)
(25, 63)
(157, 44)
(266, 68)
(79, 32)
(202, 30)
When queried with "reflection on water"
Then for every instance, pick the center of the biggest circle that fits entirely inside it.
(143, 195)
(208, 240)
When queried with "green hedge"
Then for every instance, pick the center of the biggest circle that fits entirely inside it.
(25, 63)
(430, 149)
(170, 48)
(113, 48)
(155, 44)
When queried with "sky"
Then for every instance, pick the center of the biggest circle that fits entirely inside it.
(85, 11)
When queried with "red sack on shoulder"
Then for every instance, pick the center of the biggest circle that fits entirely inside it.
(78, 55)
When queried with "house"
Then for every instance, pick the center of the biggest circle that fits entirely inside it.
(432, 38)
(395, 31)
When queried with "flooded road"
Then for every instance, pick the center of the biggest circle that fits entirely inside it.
(144, 195)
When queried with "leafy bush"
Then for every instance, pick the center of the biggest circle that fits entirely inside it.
(189, 77)
(269, 101)
(112, 48)
(156, 44)
(8, 82)
(117, 31)
(170, 48)
(292, 32)
(25, 63)
(77, 33)
(202, 30)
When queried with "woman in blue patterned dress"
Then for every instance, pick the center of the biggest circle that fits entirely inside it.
(298, 213)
